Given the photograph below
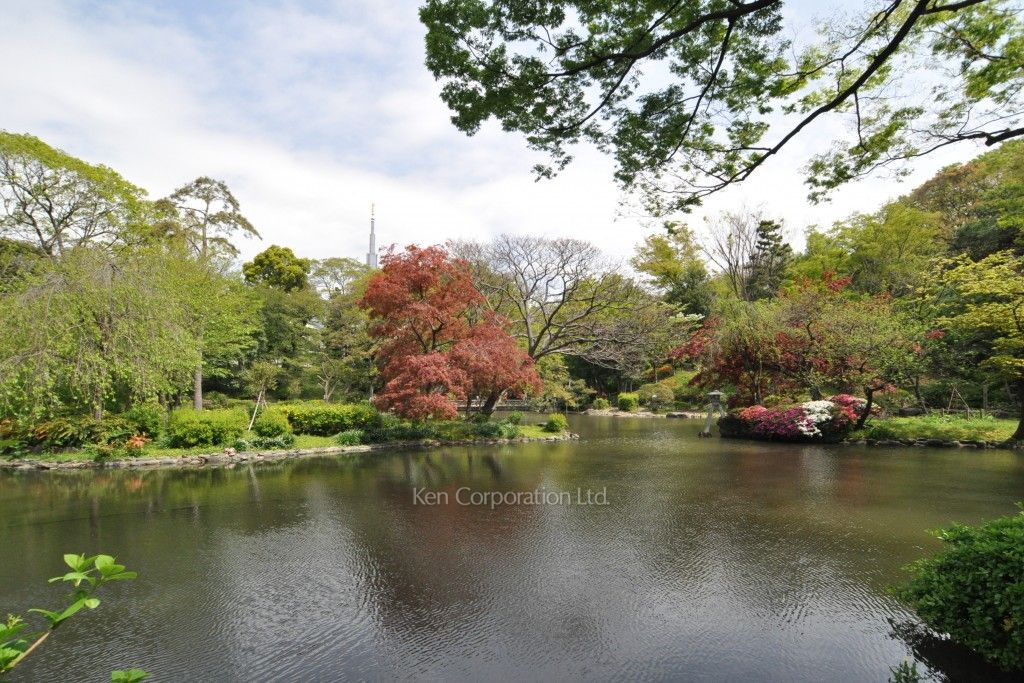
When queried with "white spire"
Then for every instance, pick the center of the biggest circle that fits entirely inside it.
(371, 255)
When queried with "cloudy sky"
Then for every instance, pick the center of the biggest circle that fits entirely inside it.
(311, 111)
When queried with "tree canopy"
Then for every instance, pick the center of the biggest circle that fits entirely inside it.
(692, 97)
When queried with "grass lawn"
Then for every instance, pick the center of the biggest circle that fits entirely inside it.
(945, 427)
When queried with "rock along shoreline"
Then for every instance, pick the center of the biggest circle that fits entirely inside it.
(228, 457)
(935, 443)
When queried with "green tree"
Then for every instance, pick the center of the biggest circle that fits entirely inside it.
(55, 202)
(768, 262)
(673, 265)
(278, 268)
(887, 252)
(203, 215)
(94, 326)
(562, 296)
(207, 216)
(287, 336)
(224, 318)
(981, 202)
(985, 300)
(17, 261)
(345, 350)
(339, 275)
(687, 96)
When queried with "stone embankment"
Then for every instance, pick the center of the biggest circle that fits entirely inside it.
(229, 457)
(935, 443)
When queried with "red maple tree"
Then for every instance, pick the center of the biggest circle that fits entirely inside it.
(439, 344)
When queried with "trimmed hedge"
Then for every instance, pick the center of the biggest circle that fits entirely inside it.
(327, 419)
(556, 423)
(271, 423)
(628, 402)
(188, 428)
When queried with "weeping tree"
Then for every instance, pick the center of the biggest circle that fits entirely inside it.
(94, 328)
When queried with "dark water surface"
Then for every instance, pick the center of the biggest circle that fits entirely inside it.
(713, 560)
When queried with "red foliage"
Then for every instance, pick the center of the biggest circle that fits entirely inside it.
(439, 344)
(422, 385)
(698, 343)
(493, 362)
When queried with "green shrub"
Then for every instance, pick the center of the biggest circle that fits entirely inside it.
(514, 418)
(350, 437)
(113, 430)
(60, 432)
(601, 403)
(488, 430)
(974, 589)
(271, 423)
(241, 445)
(686, 395)
(655, 395)
(274, 442)
(776, 401)
(508, 430)
(148, 418)
(556, 423)
(628, 402)
(325, 419)
(14, 438)
(188, 428)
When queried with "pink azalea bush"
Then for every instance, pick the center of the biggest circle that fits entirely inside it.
(828, 420)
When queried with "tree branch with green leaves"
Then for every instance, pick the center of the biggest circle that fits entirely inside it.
(86, 576)
(691, 98)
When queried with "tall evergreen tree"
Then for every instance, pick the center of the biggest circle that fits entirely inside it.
(768, 262)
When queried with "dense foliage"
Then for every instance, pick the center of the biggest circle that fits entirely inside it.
(826, 420)
(439, 344)
(974, 589)
(118, 310)
(327, 419)
(692, 97)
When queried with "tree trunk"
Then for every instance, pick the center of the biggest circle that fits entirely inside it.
(197, 388)
(1019, 434)
(97, 405)
(869, 393)
(815, 393)
(492, 400)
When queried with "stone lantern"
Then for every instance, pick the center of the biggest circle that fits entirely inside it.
(714, 408)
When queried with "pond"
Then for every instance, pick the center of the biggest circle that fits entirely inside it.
(709, 560)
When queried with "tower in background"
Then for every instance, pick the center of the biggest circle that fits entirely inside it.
(371, 255)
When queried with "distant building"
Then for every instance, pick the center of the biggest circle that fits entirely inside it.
(371, 255)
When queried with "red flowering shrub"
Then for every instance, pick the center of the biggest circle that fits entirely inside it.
(829, 420)
(753, 413)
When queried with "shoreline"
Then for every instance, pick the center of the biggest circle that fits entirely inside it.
(228, 457)
(921, 442)
(672, 414)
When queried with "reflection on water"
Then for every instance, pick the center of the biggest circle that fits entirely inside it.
(713, 560)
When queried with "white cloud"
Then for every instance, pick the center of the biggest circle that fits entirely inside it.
(309, 116)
